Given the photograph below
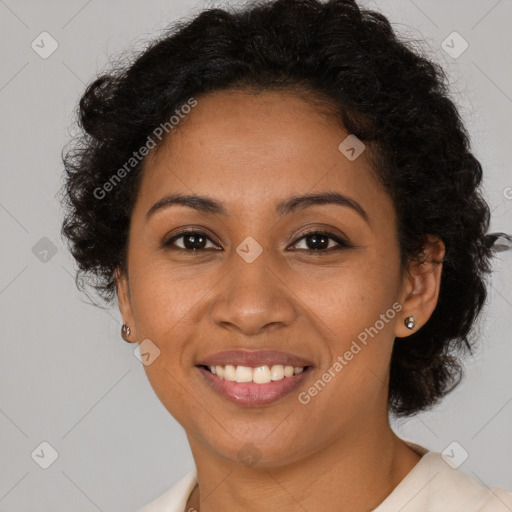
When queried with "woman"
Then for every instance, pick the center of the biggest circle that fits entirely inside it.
(283, 200)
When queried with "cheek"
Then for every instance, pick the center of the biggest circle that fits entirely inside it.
(354, 307)
(164, 298)
(348, 296)
(167, 310)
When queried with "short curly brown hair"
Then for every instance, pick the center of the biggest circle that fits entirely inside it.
(385, 92)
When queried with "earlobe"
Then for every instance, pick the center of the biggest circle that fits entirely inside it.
(123, 298)
(410, 323)
(421, 285)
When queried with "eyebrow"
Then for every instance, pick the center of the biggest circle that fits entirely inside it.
(292, 204)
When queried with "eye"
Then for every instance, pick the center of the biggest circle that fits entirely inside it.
(191, 241)
(320, 241)
(313, 242)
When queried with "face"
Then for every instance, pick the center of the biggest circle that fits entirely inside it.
(256, 272)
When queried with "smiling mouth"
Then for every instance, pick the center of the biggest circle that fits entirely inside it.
(253, 386)
(260, 374)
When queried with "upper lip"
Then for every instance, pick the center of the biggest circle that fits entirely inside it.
(253, 358)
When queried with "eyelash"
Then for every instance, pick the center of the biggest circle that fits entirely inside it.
(342, 244)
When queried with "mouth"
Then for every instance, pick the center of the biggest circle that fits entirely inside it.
(252, 386)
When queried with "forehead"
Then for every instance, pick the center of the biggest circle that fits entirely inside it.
(254, 149)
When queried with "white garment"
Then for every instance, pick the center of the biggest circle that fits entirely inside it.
(431, 486)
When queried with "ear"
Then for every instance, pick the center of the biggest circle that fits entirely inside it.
(124, 303)
(420, 286)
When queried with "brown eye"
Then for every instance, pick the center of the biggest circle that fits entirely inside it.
(321, 241)
(191, 241)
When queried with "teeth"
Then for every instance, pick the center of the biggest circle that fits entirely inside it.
(277, 372)
(243, 374)
(260, 375)
(288, 371)
(229, 372)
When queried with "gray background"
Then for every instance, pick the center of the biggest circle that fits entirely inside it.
(67, 378)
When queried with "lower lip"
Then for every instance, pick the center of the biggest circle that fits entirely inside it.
(250, 394)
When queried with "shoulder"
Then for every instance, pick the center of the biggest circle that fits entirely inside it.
(433, 485)
(456, 487)
(175, 498)
(499, 500)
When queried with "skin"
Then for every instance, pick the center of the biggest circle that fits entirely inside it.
(250, 152)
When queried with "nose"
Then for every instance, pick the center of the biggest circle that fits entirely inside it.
(252, 299)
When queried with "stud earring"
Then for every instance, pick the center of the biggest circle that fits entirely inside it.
(125, 332)
(410, 322)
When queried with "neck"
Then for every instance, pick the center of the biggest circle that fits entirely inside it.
(355, 473)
